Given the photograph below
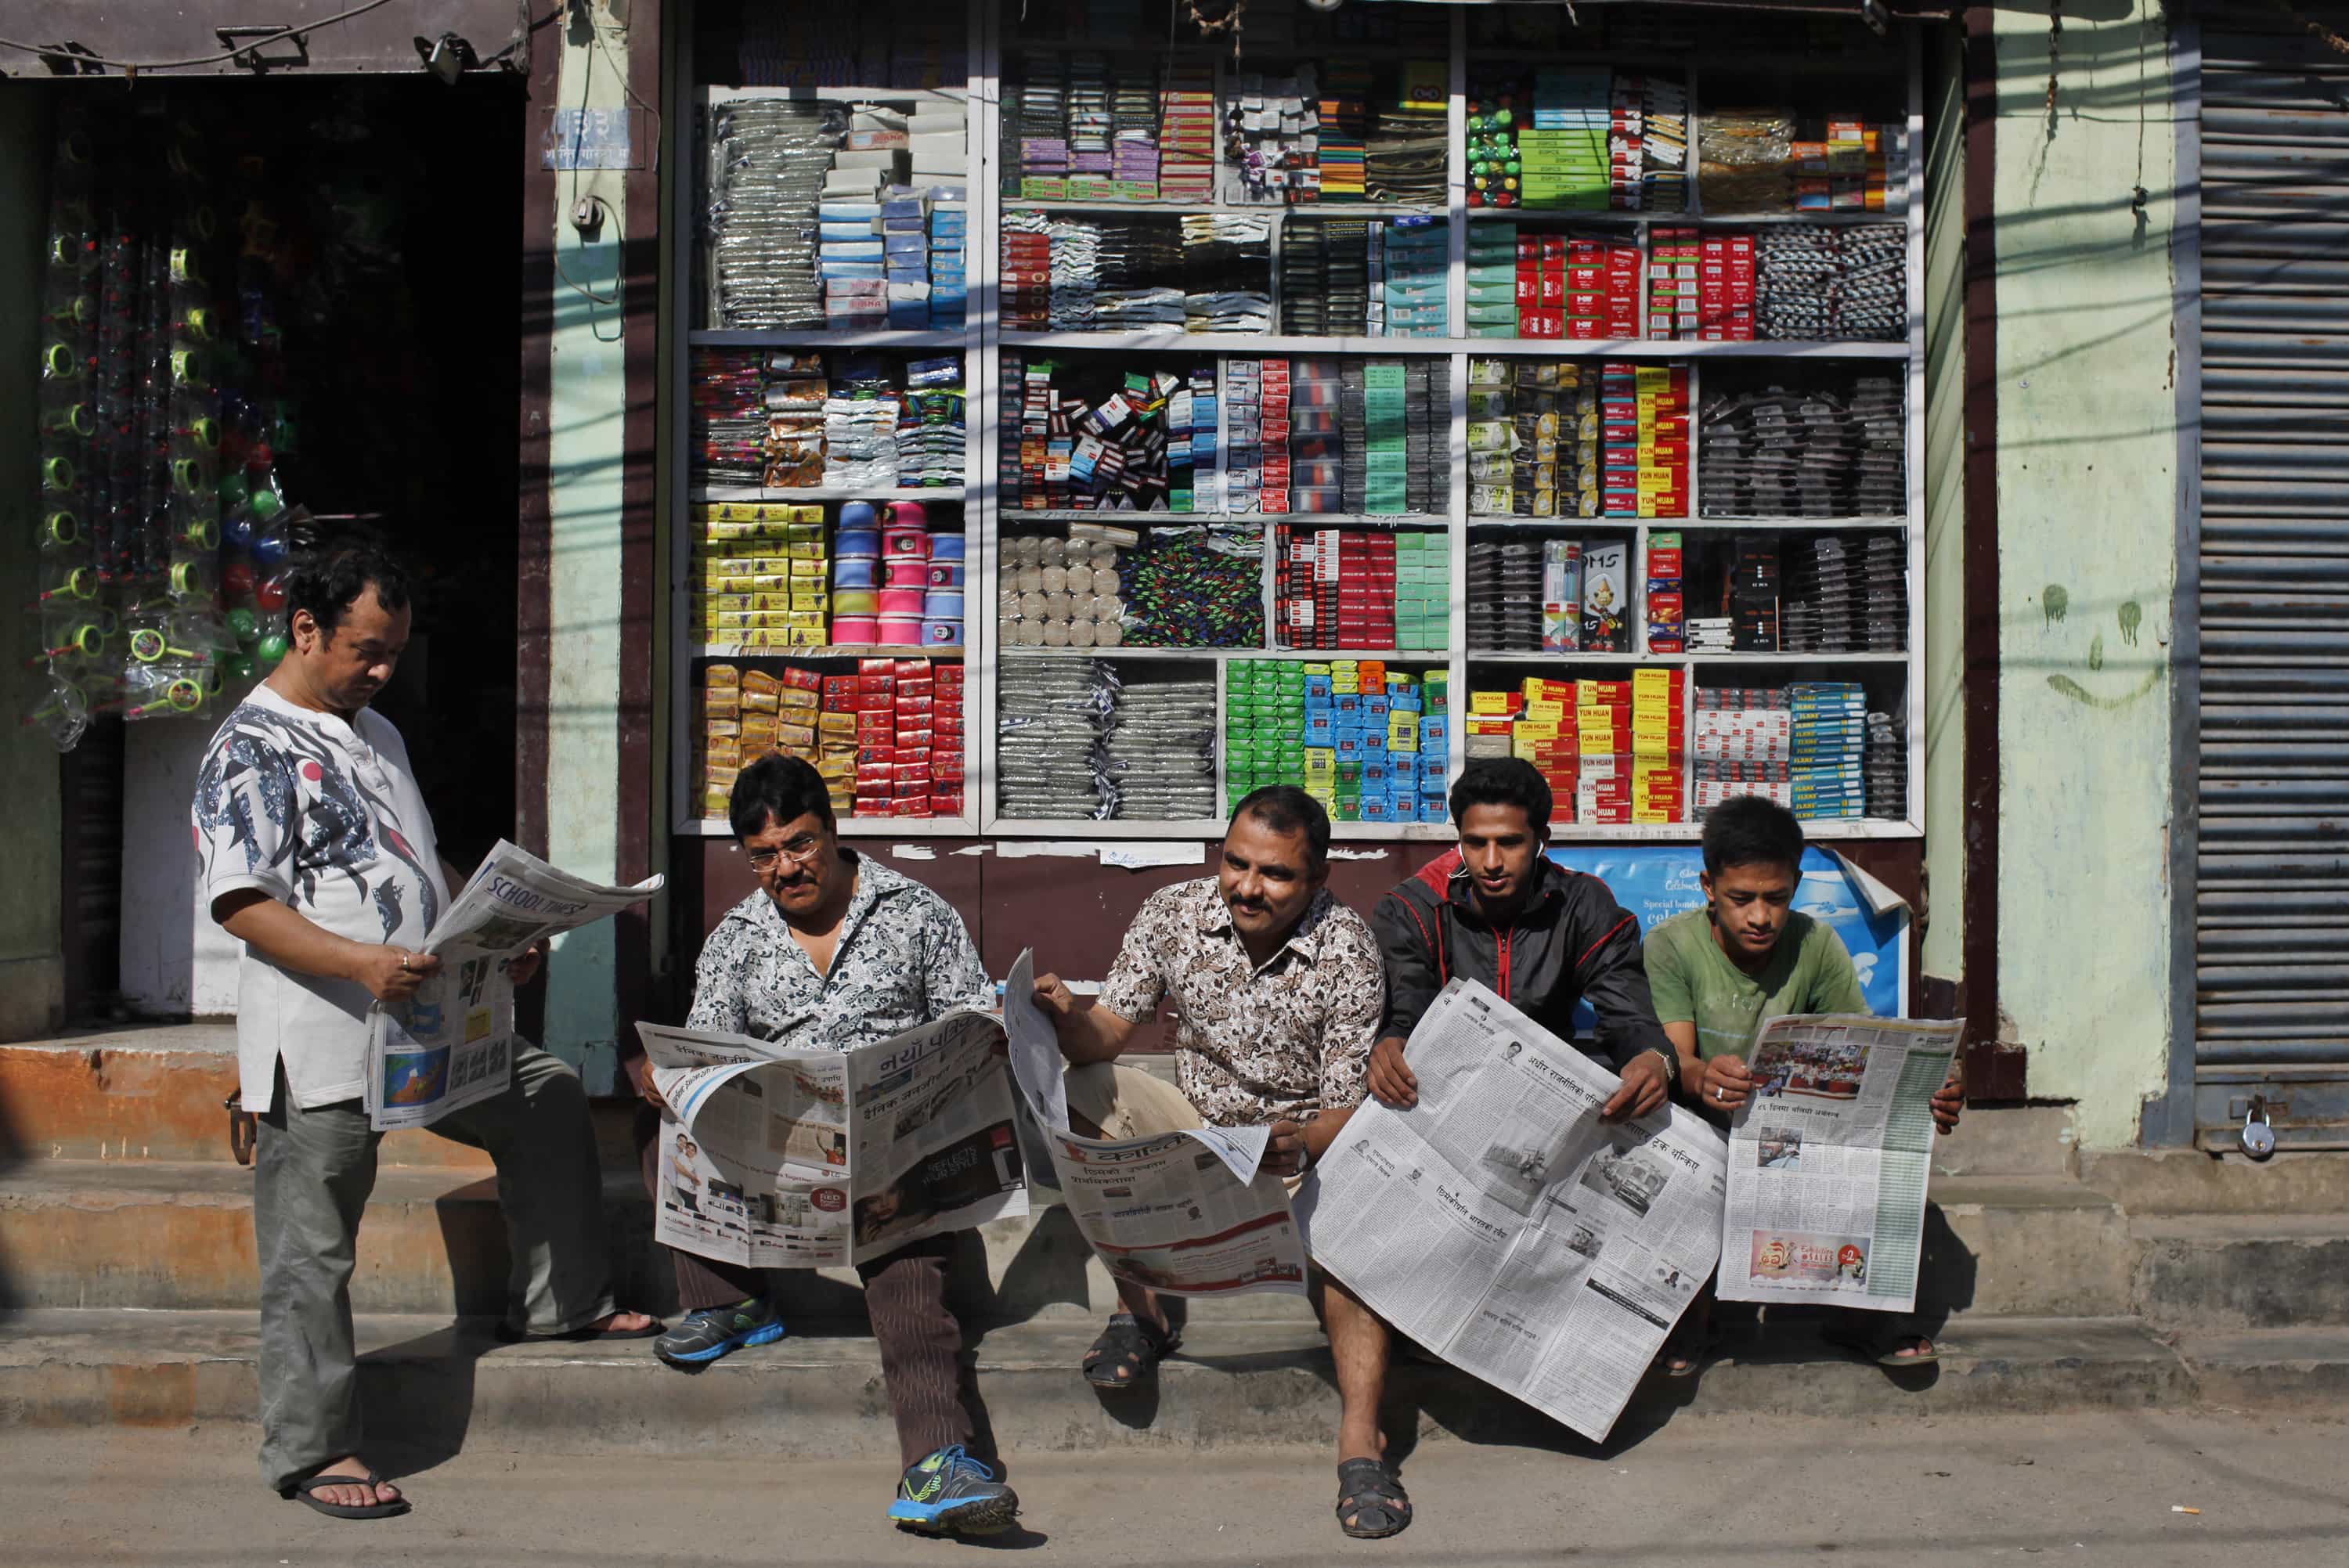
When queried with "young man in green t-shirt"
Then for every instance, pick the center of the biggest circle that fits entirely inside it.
(1718, 973)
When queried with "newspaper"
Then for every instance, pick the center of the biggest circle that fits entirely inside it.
(451, 1043)
(1827, 1160)
(1500, 1224)
(775, 1158)
(1187, 1214)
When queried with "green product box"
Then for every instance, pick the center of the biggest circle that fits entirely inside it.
(1493, 315)
(1493, 294)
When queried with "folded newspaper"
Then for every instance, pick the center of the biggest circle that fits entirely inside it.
(1188, 1213)
(1828, 1160)
(1503, 1225)
(782, 1159)
(451, 1043)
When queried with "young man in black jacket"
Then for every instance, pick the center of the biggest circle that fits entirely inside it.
(1499, 910)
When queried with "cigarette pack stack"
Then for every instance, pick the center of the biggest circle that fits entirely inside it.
(1134, 140)
(1264, 725)
(1631, 738)
(1320, 445)
(1544, 734)
(1407, 263)
(1827, 748)
(1226, 268)
(1275, 129)
(1739, 740)
(1337, 588)
(1243, 434)
(931, 425)
(1325, 277)
(758, 575)
(949, 257)
(1664, 141)
(905, 759)
(1666, 604)
(1422, 589)
(1493, 303)
(1091, 164)
(1186, 131)
(1043, 129)
(1027, 272)
(1662, 410)
(1505, 589)
(1488, 728)
(1565, 153)
(1754, 585)
(1827, 451)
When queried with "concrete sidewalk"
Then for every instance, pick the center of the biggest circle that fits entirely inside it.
(2087, 1489)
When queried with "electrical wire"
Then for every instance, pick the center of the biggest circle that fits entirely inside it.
(58, 51)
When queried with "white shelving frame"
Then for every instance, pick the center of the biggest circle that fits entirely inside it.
(983, 344)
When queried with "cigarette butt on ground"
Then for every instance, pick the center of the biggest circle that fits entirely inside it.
(2181, 1508)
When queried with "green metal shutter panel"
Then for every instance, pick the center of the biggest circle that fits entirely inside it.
(2272, 898)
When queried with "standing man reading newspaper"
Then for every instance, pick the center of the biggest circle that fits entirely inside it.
(1498, 910)
(1278, 991)
(318, 855)
(1718, 974)
(837, 950)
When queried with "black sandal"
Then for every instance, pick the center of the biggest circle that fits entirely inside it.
(1370, 1491)
(1884, 1345)
(1128, 1339)
(303, 1490)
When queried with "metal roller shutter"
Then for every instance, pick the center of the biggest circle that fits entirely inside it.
(2272, 897)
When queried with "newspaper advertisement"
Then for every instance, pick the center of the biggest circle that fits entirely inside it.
(1827, 1160)
(1503, 1225)
(1187, 1214)
(782, 1159)
(451, 1043)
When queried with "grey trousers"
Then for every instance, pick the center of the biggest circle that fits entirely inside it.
(313, 1172)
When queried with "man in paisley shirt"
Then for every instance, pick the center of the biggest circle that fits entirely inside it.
(1278, 991)
(318, 855)
(833, 952)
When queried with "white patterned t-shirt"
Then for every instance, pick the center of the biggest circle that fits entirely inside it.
(324, 817)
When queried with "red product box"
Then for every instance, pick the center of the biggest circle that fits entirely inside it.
(1542, 324)
(913, 805)
(1665, 563)
(801, 678)
(1529, 286)
(1582, 329)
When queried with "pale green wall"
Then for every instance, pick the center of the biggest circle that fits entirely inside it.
(32, 973)
(587, 409)
(1945, 520)
(2087, 510)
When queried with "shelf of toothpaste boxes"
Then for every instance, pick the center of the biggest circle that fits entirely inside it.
(1649, 745)
(886, 733)
(828, 215)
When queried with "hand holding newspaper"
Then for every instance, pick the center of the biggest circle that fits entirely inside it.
(775, 1158)
(1502, 1224)
(1188, 1213)
(1828, 1160)
(453, 1042)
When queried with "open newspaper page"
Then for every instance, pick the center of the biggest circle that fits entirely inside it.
(1500, 1224)
(1189, 1213)
(451, 1043)
(1827, 1160)
(776, 1158)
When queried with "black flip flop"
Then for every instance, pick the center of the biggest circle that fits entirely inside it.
(1370, 1491)
(1128, 1339)
(508, 1334)
(302, 1491)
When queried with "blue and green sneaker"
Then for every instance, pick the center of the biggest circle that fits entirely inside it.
(951, 1493)
(715, 1331)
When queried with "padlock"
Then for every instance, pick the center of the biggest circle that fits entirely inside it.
(2258, 1137)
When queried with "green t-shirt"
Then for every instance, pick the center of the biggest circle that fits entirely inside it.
(1694, 982)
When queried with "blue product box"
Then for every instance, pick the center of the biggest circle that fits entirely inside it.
(1374, 742)
(1317, 688)
(831, 269)
(1320, 727)
(867, 250)
(857, 229)
(1349, 747)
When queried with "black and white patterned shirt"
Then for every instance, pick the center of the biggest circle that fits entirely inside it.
(1254, 1045)
(903, 959)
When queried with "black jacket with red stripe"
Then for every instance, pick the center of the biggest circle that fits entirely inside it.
(1570, 941)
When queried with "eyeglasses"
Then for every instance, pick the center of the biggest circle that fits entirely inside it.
(800, 852)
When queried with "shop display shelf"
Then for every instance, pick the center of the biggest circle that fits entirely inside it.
(803, 337)
(831, 651)
(850, 828)
(821, 492)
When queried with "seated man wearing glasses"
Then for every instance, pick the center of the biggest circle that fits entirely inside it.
(834, 952)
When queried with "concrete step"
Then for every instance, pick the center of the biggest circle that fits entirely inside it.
(2220, 1271)
(176, 1236)
(2011, 1140)
(1233, 1384)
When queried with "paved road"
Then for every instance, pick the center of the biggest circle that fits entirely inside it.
(2085, 1489)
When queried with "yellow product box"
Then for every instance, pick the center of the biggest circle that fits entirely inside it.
(1490, 725)
(1403, 732)
(717, 802)
(770, 602)
(717, 530)
(1537, 729)
(806, 572)
(1322, 763)
(715, 777)
(806, 637)
(723, 604)
(804, 549)
(799, 699)
(728, 620)
(717, 675)
(717, 705)
(1536, 689)
(1655, 814)
(842, 724)
(834, 766)
(765, 583)
(1494, 704)
(1547, 711)
(728, 730)
(1654, 682)
(724, 754)
(758, 731)
(1595, 718)
(796, 736)
(1654, 481)
(758, 702)
(804, 620)
(811, 599)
